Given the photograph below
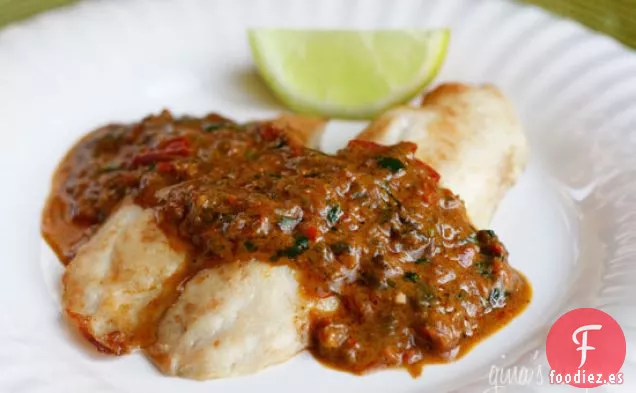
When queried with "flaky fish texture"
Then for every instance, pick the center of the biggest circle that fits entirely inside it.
(116, 283)
(234, 319)
(469, 134)
(306, 129)
(125, 287)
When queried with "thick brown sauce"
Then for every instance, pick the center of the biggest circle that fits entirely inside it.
(416, 281)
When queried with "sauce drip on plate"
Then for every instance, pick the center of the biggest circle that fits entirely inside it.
(370, 225)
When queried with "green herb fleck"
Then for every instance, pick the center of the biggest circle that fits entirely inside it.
(431, 232)
(249, 246)
(490, 233)
(211, 127)
(484, 268)
(390, 163)
(333, 214)
(420, 261)
(390, 283)
(472, 238)
(300, 245)
(411, 276)
(497, 298)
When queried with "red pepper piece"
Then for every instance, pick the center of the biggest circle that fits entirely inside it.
(497, 249)
(296, 150)
(164, 167)
(426, 197)
(268, 132)
(177, 142)
(167, 150)
(311, 232)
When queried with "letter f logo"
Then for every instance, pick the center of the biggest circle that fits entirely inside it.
(583, 344)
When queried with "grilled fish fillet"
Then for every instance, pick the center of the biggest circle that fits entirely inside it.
(230, 320)
(121, 287)
(469, 134)
(308, 130)
(113, 286)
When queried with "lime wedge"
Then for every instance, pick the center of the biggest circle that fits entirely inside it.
(345, 73)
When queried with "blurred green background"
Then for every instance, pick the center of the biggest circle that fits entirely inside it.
(614, 17)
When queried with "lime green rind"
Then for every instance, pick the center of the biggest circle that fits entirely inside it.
(297, 101)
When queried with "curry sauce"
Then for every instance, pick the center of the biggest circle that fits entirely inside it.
(370, 225)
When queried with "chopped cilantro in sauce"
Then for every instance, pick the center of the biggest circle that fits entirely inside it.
(368, 226)
(390, 163)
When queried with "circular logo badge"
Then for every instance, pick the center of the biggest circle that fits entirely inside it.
(586, 348)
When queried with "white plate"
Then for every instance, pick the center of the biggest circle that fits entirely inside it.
(570, 223)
